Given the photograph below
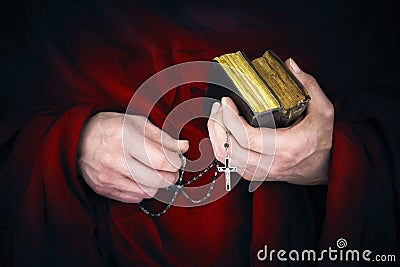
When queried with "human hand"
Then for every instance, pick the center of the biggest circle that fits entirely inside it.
(302, 150)
(150, 154)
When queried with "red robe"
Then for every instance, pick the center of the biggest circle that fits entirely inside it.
(64, 62)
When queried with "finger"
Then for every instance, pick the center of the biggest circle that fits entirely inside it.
(146, 176)
(239, 155)
(142, 192)
(107, 186)
(129, 167)
(124, 184)
(128, 197)
(239, 128)
(149, 152)
(165, 139)
(251, 165)
(143, 141)
(260, 140)
(216, 131)
(123, 197)
(319, 100)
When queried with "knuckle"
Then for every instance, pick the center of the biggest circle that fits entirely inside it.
(325, 143)
(245, 142)
(289, 157)
(329, 111)
(252, 138)
(252, 141)
(310, 80)
(159, 164)
(107, 161)
(101, 179)
(111, 159)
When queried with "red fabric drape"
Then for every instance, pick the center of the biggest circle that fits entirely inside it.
(67, 61)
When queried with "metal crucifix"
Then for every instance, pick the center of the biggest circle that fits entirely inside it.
(227, 170)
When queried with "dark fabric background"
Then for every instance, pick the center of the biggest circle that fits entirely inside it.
(63, 61)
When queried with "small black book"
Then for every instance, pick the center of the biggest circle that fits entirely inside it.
(265, 91)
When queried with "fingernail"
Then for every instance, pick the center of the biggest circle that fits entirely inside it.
(294, 66)
(223, 101)
(214, 107)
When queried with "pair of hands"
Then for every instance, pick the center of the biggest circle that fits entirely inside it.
(301, 153)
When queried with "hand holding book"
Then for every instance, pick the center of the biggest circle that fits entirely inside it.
(264, 90)
(301, 151)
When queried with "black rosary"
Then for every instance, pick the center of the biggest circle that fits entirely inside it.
(179, 187)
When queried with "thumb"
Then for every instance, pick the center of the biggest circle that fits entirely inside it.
(229, 102)
(318, 98)
(239, 128)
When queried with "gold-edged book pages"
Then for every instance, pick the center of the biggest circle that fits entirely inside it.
(261, 87)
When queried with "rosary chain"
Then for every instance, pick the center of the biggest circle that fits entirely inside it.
(179, 187)
(226, 144)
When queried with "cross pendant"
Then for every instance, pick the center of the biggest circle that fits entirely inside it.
(227, 170)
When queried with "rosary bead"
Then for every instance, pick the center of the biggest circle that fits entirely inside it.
(226, 145)
(179, 188)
